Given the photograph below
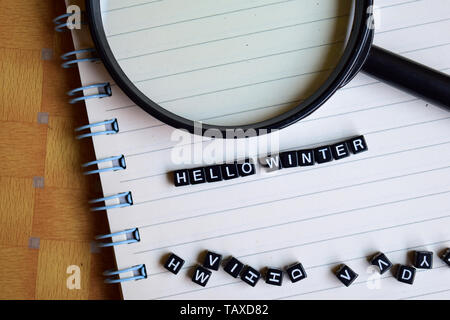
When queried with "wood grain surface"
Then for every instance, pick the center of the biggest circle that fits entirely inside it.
(45, 223)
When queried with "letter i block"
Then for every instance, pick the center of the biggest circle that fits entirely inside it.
(406, 274)
(233, 267)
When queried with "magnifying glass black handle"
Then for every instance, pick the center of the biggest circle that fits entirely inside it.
(407, 75)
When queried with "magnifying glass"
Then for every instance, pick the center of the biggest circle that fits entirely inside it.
(253, 64)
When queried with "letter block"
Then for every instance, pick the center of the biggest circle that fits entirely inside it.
(197, 176)
(271, 163)
(357, 145)
(201, 276)
(406, 274)
(212, 260)
(246, 168)
(250, 276)
(213, 174)
(296, 272)
(229, 171)
(346, 275)
(305, 158)
(274, 276)
(340, 151)
(423, 259)
(446, 256)
(233, 267)
(181, 178)
(174, 263)
(382, 262)
(323, 154)
(288, 159)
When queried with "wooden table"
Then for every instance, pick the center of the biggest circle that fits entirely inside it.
(45, 222)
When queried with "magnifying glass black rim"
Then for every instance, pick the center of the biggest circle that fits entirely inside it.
(347, 66)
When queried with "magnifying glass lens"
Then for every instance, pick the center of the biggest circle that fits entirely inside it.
(227, 62)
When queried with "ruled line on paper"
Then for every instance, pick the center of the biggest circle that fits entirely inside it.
(426, 294)
(273, 105)
(325, 215)
(173, 245)
(305, 120)
(198, 18)
(233, 37)
(131, 6)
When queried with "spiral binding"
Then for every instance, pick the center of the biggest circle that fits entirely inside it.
(132, 233)
(104, 90)
(73, 60)
(112, 127)
(60, 22)
(125, 199)
(139, 271)
(118, 162)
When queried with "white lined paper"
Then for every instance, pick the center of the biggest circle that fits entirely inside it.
(395, 198)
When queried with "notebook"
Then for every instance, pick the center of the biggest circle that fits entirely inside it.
(394, 199)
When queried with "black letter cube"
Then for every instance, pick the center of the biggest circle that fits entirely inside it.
(446, 256)
(250, 276)
(181, 178)
(274, 277)
(423, 259)
(305, 158)
(323, 154)
(201, 276)
(346, 275)
(246, 168)
(382, 262)
(212, 260)
(288, 159)
(230, 171)
(174, 263)
(271, 163)
(357, 145)
(197, 175)
(233, 267)
(213, 174)
(340, 151)
(406, 274)
(296, 272)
